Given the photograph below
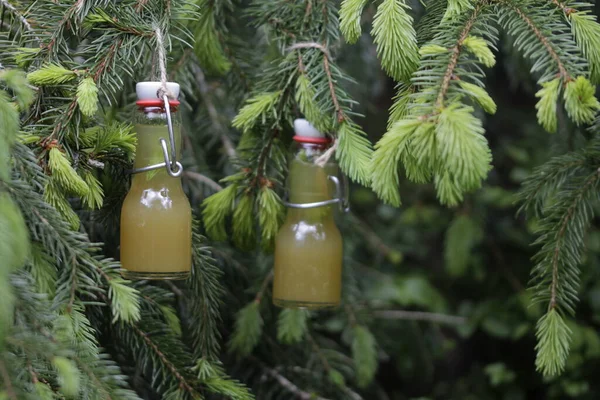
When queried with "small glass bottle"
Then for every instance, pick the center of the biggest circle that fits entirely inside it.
(156, 218)
(308, 247)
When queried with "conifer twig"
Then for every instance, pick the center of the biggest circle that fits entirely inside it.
(340, 114)
(182, 381)
(454, 58)
(262, 160)
(561, 68)
(560, 237)
(326, 56)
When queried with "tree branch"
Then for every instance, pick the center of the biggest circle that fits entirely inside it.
(538, 34)
(20, 17)
(263, 286)
(10, 391)
(567, 10)
(213, 114)
(420, 316)
(203, 179)
(340, 114)
(291, 387)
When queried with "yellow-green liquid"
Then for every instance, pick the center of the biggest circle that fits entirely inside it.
(156, 218)
(308, 247)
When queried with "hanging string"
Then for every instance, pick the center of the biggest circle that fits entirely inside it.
(324, 158)
(162, 65)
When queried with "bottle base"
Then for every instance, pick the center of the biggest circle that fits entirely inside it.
(163, 276)
(305, 305)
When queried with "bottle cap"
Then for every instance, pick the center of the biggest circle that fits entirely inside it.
(149, 90)
(306, 133)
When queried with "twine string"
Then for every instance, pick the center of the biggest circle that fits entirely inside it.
(162, 66)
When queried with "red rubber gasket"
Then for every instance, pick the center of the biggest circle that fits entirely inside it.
(157, 103)
(313, 140)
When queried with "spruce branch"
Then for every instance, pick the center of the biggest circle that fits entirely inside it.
(542, 39)
(563, 198)
(586, 32)
(183, 383)
(577, 202)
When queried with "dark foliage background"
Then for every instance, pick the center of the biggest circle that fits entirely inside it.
(436, 303)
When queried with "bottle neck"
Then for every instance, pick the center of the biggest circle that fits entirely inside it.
(308, 182)
(150, 128)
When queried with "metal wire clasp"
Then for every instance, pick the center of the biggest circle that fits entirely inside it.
(341, 197)
(173, 167)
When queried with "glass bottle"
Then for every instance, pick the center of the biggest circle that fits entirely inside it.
(156, 218)
(308, 247)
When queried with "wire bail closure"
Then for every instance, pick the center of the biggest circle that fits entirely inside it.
(171, 164)
(341, 197)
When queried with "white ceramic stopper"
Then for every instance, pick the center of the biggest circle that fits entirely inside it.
(304, 128)
(149, 90)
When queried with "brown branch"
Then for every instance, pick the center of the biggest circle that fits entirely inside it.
(213, 114)
(20, 17)
(561, 68)
(290, 386)
(65, 118)
(567, 10)
(420, 316)
(326, 56)
(373, 239)
(263, 287)
(10, 391)
(351, 315)
(183, 384)
(104, 64)
(178, 292)
(560, 236)
(454, 58)
(262, 162)
(317, 349)
(73, 285)
(340, 114)
(203, 179)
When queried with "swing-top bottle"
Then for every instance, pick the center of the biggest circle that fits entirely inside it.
(156, 214)
(308, 247)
